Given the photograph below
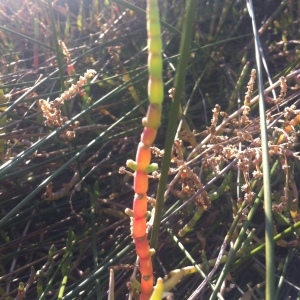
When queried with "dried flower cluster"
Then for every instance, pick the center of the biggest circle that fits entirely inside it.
(189, 181)
(238, 138)
(65, 50)
(52, 110)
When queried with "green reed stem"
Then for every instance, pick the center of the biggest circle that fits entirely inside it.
(172, 123)
(269, 251)
(55, 38)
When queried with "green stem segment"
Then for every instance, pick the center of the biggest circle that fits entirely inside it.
(188, 24)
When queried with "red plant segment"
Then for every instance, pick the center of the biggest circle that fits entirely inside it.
(139, 213)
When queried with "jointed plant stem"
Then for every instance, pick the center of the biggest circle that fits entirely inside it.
(142, 166)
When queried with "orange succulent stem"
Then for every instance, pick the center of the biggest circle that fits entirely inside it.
(142, 165)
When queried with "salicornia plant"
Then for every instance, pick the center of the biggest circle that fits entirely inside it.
(142, 166)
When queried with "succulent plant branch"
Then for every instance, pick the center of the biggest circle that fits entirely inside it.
(142, 166)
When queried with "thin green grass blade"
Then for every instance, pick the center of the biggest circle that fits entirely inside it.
(269, 232)
(172, 123)
(58, 52)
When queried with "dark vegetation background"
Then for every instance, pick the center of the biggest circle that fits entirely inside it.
(86, 229)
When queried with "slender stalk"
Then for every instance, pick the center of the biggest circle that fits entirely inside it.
(172, 123)
(58, 54)
(269, 251)
(286, 264)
